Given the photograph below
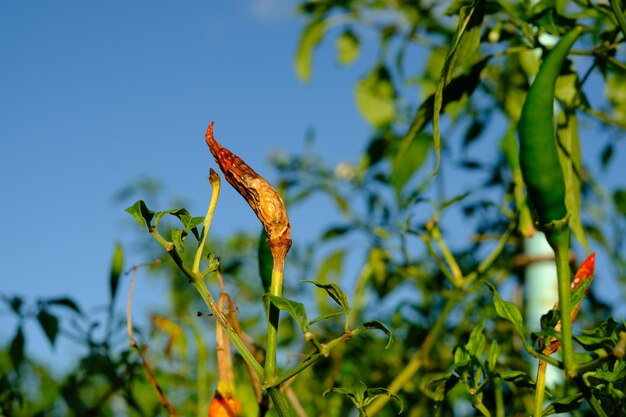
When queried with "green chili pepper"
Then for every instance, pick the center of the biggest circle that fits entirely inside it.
(543, 175)
(539, 158)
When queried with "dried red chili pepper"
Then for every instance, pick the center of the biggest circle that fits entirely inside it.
(260, 195)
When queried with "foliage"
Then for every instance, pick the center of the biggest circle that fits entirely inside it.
(435, 263)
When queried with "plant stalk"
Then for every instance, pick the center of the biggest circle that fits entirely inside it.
(279, 248)
(559, 241)
(540, 387)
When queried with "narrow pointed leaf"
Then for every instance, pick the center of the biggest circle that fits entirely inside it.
(334, 292)
(293, 308)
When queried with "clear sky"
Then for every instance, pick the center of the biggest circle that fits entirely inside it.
(96, 95)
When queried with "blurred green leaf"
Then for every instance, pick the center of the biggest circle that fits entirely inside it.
(476, 343)
(569, 153)
(462, 50)
(492, 358)
(310, 38)
(375, 97)
(16, 348)
(293, 308)
(117, 266)
(49, 324)
(347, 47)
(619, 199)
(408, 159)
(66, 302)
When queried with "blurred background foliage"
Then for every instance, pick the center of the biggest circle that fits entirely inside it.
(403, 236)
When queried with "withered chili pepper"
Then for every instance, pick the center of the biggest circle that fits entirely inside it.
(260, 195)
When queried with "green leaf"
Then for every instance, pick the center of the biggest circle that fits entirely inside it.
(66, 302)
(456, 90)
(333, 292)
(462, 358)
(336, 231)
(571, 162)
(476, 343)
(518, 378)
(372, 393)
(49, 324)
(117, 265)
(375, 324)
(571, 403)
(141, 213)
(509, 312)
(16, 349)
(492, 358)
(341, 391)
(266, 261)
(463, 48)
(437, 385)
(619, 199)
(293, 308)
(347, 47)
(408, 159)
(375, 97)
(310, 38)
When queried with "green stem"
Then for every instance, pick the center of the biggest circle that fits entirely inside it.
(279, 248)
(619, 15)
(548, 359)
(558, 239)
(499, 397)
(214, 180)
(197, 281)
(276, 289)
(232, 334)
(279, 401)
(540, 387)
(310, 360)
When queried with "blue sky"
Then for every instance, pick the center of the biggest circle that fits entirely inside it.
(96, 95)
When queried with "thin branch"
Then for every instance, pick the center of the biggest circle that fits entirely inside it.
(144, 360)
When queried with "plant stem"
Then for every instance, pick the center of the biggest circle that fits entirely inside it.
(273, 319)
(279, 401)
(279, 248)
(247, 356)
(214, 180)
(540, 387)
(559, 241)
